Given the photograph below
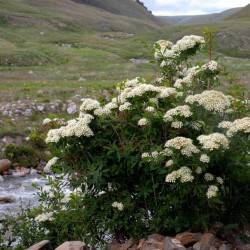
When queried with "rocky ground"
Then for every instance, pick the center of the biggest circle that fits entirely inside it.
(183, 241)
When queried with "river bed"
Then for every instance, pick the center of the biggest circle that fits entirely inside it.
(21, 190)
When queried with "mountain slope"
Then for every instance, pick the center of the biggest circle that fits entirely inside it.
(200, 19)
(130, 8)
(243, 13)
(69, 14)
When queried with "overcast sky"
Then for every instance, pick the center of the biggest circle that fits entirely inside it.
(191, 7)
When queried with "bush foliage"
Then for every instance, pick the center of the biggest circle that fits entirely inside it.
(162, 157)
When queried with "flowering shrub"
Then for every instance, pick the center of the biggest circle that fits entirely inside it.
(159, 157)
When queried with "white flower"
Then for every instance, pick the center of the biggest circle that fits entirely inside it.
(225, 124)
(50, 163)
(184, 174)
(205, 158)
(212, 191)
(132, 83)
(219, 180)
(211, 65)
(143, 122)
(150, 109)
(118, 205)
(155, 154)
(211, 100)
(125, 106)
(208, 177)
(177, 124)
(46, 121)
(89, 105)
(169, 163)
(76, 127)
(145, 155)
(239, 125)
(180, 111)
(44, 217)
(185, 145)
(213, 141)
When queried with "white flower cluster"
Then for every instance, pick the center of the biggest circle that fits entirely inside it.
(50, 163)
(166, 52)
(150, 155)
(184, 174)
(125, 106)
(185, 145)
(212, 191)
(142, 88)
(44, 217)
(211, 65)
(211, 100)
(76, 127)
(213, 141)
(106, 109)
(150, 109)
(132, 82)
(180, 111)
(143, 122)
(205, 158)
(189, 76)
(188, 42)
(118, 205)
(239, 125)
(89, 105)
(208, 177)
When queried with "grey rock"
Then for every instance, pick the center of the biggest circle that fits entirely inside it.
(72, 108)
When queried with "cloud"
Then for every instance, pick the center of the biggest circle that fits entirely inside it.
(192, 7)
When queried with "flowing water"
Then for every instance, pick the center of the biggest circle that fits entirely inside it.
(21, 190)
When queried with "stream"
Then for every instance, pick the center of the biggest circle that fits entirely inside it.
(22, 192)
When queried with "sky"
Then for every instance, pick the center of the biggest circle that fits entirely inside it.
(191, 7)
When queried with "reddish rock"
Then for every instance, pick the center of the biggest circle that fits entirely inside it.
(188, 238)
(127, 245)
(153, 242)
(72, 245)
(172, 244)
(43, 245)
(206, 242)
(4, 199)
(4, 165)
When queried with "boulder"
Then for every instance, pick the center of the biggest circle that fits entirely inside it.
(43, 245)
(206, 242)
(1, 178)
(72, 245)
(153, 242)
(172, 244)
(127, 245)
(188, 238)
(72, 108)
(4, 165)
